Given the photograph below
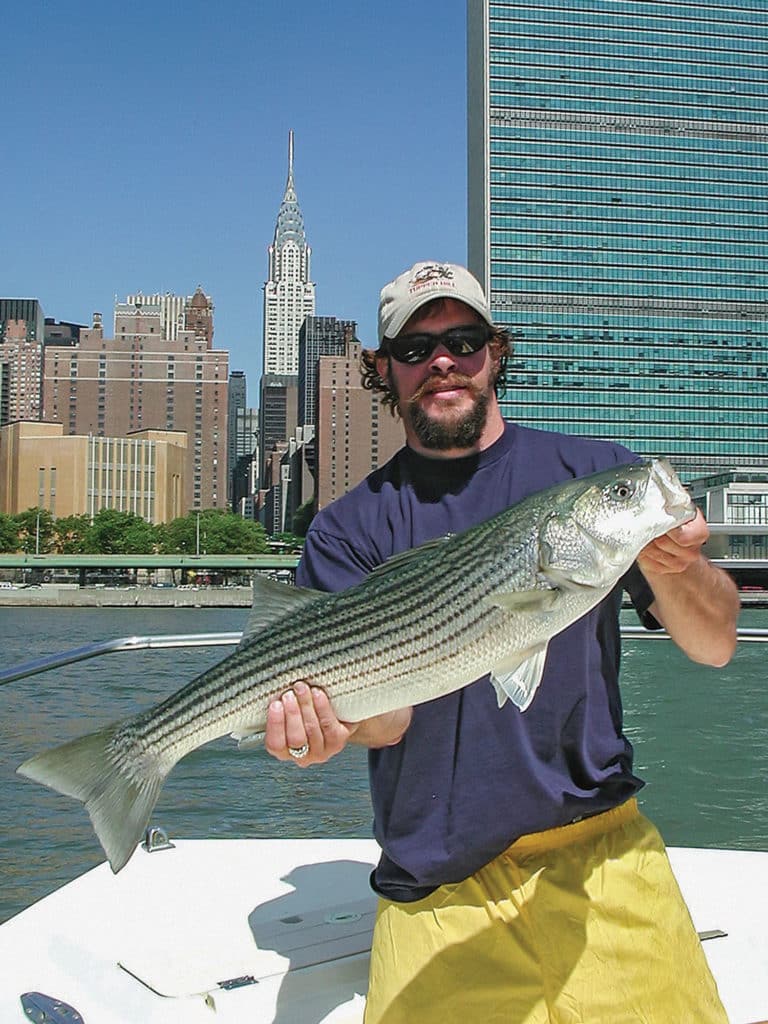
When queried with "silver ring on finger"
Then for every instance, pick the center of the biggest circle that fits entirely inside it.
(299, 752)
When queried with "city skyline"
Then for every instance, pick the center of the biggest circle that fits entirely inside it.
(154, 160)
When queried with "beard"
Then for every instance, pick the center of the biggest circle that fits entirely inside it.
(442, 435)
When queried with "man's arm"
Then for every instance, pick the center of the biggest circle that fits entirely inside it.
(697, 603)
(304, 715)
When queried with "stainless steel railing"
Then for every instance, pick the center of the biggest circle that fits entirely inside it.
(143, 643)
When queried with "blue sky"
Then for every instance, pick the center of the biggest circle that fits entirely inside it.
(145, 149)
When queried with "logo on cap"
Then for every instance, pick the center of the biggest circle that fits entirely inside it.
(437, 273)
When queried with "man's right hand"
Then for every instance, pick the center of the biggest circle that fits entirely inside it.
(303, 718)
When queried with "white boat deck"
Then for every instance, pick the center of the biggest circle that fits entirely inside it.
(279, 930)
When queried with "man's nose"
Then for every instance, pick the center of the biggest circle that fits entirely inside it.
(441, 360)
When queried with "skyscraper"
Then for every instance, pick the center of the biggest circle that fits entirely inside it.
(289, 295)
(618, 170)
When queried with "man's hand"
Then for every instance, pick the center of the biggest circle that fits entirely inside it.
(303, 717)
(696, 602)
(675, 551)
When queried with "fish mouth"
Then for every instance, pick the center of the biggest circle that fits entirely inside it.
(677, 501)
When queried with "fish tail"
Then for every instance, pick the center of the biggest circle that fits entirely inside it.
(119, 801)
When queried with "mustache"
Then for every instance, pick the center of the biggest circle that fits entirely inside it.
(454, 380)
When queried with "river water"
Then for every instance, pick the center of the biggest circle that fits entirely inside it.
(700, 738)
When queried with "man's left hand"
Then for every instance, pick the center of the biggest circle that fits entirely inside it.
(675, 551)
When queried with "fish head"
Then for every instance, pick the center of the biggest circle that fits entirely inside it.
(602, 522)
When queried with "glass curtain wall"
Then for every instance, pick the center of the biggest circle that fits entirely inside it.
(618, 213)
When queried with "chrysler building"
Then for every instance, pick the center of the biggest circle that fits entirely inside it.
(289, 296)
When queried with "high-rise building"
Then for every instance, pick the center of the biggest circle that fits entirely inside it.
(22, 331)
(289, 295)
(27, 310)
(171, 307)
(142, 380)
(236, 399)
(354, 432)
(242, 444)
(277, 416)
(245, 476)
(318, 336)
(22, 357)
(618, 168)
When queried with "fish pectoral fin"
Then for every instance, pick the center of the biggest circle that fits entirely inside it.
(520, 680)
(523, 600)
(272, 601)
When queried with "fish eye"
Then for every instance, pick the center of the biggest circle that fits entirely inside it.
(622, 490)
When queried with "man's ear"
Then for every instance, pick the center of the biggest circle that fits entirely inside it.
(382, 367)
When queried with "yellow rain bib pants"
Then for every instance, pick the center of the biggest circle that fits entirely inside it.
(583, 924)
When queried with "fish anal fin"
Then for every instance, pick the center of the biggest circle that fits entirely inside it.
(518, 681)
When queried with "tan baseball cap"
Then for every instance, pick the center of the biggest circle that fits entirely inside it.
(423, 282)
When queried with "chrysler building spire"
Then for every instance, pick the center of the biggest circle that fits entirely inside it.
(289, 295)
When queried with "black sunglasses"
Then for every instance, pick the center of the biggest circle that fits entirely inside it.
(460, 341)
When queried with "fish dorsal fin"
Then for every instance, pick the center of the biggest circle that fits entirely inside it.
(406, 557)
(523, 600)
(519, 682)
(273, 601)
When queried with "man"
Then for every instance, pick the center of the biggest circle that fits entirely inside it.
(518, 881)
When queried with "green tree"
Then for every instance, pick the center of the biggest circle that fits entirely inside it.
(70, 533)
(178, 536)
(9, 534)
(35, 530)
(213, 532)
(119, 533)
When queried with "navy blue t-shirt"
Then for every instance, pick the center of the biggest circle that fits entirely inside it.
(468, 778)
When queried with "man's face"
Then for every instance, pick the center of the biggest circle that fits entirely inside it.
(444, 400)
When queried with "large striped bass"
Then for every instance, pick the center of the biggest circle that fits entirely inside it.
(427, 622)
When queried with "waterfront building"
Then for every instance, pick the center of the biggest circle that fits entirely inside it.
(617, 214)
(66, 474)
(141, 379)
(354, 432)
(738, 499)
(318, 336)
(289, 295)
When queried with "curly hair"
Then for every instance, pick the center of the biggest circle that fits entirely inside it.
(501, 341)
